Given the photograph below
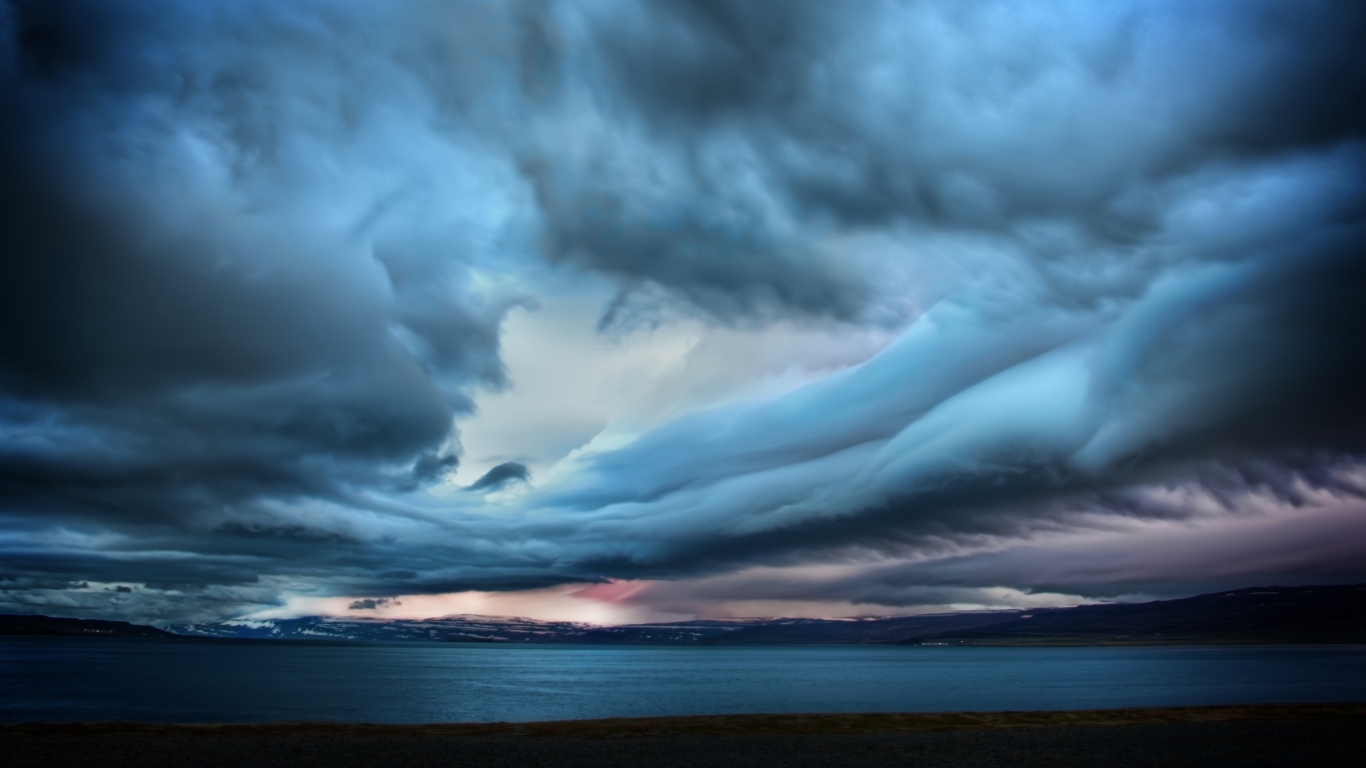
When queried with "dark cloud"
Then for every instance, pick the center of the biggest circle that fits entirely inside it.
(369, 604)
(720, 253)
(499, 476)
(642, 190)
(178, 349)
(697, 61)
(258, 258)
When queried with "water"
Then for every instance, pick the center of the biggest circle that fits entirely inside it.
(64, 679)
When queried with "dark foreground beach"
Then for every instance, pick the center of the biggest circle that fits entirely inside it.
(1302, 735)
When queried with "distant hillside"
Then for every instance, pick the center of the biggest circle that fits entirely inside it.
(463, 628)
(492, 629)
(1254, 615)
(857, 631)
(48, 625)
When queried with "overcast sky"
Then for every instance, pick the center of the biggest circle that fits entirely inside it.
(625, 311)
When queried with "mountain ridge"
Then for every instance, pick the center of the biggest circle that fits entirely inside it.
(1317, 614)
(38, 625)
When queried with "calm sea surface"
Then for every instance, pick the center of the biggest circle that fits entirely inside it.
(172, 681)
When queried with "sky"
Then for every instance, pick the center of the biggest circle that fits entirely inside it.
(647, 311)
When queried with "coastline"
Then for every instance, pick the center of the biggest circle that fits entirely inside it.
(1308, 734)
(616, 727)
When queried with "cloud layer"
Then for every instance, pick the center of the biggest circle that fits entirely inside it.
(259, 259)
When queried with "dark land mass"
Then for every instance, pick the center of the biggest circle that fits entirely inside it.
(1334, 614)
(802, 631)
(468, 629)
(1209, 737)
(48, 625)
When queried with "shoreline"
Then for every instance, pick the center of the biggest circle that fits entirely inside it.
(748, 724)
(1311, 735)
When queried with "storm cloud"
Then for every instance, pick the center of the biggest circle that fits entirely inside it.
(499, 476)
(259, 261)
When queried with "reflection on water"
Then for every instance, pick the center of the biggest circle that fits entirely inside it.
(170, 680)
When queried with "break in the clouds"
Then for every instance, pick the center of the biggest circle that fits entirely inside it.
(703, 307)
